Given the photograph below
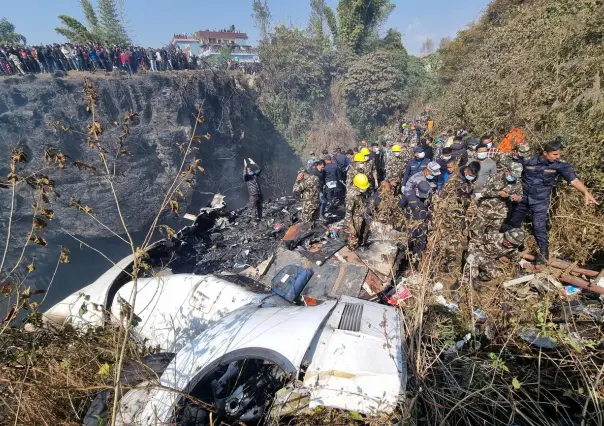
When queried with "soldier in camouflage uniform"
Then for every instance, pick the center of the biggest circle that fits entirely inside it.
(383, 206)
(484, 255)
(356, 203)
(501, 190)
(359, 165)
(396, 166)
(449, 209)
(308, 186)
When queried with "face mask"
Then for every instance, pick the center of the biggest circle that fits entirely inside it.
(429, 177)
(447, 158)
(510, 179)
(366, 158)
(251, 173)
(489, 145)
(470, 178)
(420, 155)
(377, 151)
(482, 155)
(362, 166)
(523, 148)
(362, 191)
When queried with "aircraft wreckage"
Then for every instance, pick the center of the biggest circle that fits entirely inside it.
(256, 321)
(242, 323)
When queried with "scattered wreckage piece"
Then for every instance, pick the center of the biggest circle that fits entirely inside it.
(329, 280)
(563, 274)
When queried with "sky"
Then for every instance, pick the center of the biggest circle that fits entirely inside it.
(153, 22)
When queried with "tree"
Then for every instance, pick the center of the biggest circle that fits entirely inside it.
(375, 88)
(262, 18)
(109, 29)
(357, 19)
(111, 25)
(91, 18)
(74, 31)
(427, 47)
(8, 34)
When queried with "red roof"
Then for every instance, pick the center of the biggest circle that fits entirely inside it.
(221, 34)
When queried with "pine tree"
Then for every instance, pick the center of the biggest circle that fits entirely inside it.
(111, 25)
(74, 31)
(104, 25)
(91, 18)
(8, 34)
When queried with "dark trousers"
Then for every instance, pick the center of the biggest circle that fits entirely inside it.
(539, 213)
(256, 203)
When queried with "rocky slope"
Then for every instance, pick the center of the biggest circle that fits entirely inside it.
(166, 105)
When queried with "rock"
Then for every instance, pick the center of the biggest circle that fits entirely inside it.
(166, 106)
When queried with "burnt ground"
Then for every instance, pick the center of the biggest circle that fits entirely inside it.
(230, 241)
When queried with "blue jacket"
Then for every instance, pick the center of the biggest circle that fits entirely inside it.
(414, 166)
(540, 176)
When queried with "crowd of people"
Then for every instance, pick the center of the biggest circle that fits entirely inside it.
(479, 194)
(22, 60)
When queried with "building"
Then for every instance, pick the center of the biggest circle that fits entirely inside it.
(210, 43)
(228, 37)
(189, 45)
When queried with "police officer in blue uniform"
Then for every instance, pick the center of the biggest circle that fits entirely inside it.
(416, 212)
(540, 175)
(416, 164)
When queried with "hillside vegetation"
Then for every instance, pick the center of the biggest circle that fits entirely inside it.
(536, 65)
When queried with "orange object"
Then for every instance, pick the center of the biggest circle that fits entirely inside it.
(510, 140)
(430, 125)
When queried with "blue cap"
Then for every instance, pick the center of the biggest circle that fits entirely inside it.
(423, 189)
(418, 149)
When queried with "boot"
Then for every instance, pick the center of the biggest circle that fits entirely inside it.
(542, 258)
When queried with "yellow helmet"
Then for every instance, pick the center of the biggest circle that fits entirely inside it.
(365, 151)
(361, 181)
(396, 148)
(404, 125)
(359, 157)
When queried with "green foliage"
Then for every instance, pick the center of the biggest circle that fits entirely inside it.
(8, 34)
(358, 18)
(108, 29)
(111, 26)
(91, 18)
(534, 65)
(262, 18)
(375, 88)
(221, 60)
(295, 79)
(74, 31)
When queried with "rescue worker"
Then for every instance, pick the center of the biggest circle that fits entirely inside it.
(500, 193)
(487, 167)
(379, 159)
(370, 168)
(319, 171)
(313, 159)
(417, 164)
(251, 173)
(354, 221)
(430, 175)
(539, 177)
(383, 206)
(415, 210)
(358, 165)
(451, 205)
(484, 255)
(395, 168)
(332, 179)
(307, 187)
